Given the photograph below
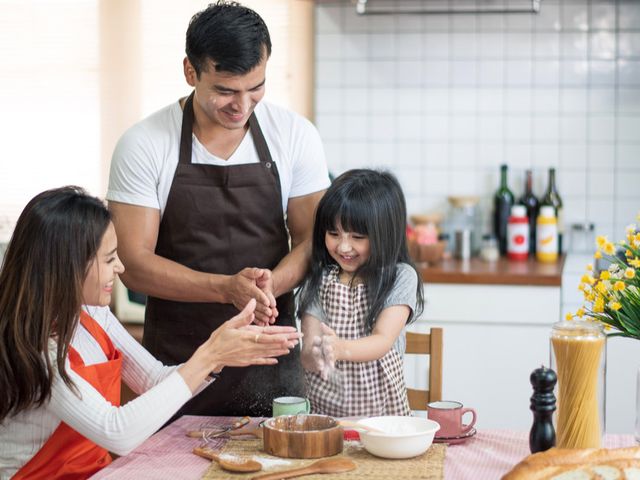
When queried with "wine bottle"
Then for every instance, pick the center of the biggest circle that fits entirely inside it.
(530, 201)
(552, 198)
(502, 203)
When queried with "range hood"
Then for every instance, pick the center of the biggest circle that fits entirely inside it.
(412, 7)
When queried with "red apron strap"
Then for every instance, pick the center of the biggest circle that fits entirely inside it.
(67, 454)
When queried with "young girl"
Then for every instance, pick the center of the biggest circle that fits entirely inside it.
(63, 354)
(360, 294)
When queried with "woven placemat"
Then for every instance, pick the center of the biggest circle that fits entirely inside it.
(428, 466)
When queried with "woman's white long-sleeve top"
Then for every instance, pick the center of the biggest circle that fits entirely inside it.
(118, 429)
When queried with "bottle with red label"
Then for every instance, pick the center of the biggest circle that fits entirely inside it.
(518, 234)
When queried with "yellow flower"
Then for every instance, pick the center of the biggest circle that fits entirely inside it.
(602, 288)
(568, 316)
(598, 305)
(601, 240)
(609, 248)
(590, 297)
(597, 255)
(588, 279)
(605, 275)
(580, 312)
(589, 267)
(635, 262)
(629, 273)
(618, 286)
(615, 306)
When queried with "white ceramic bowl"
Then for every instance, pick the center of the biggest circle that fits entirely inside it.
(403, 437)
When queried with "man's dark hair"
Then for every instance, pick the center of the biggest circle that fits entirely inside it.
(234, 37)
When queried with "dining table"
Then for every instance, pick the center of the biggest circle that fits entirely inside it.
(488, 454)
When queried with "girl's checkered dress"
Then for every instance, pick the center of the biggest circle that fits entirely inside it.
(355, 388)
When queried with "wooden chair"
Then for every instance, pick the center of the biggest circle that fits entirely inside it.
(426, 344)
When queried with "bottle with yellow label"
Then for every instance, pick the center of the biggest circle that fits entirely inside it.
(547, 235)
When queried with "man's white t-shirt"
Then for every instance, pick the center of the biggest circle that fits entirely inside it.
(146, 156)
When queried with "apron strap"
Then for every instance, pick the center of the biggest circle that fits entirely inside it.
(187, 130)
(259, 141)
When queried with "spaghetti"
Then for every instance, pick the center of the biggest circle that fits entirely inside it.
(578, 354)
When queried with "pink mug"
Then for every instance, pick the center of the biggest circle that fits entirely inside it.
(449, 415)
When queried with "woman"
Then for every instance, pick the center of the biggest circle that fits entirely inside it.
(63, 354)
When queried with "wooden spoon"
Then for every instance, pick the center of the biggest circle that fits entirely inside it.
(231, 465)
(356, 425)
(326, 465)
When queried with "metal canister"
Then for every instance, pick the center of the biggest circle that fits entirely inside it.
(462, 248)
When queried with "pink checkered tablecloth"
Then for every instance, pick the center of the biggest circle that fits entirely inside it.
(167, 454)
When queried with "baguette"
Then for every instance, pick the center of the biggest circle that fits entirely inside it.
(579, 464)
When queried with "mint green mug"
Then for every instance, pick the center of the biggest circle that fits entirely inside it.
(290, 406)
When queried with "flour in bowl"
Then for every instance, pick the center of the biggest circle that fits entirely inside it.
(397, 429)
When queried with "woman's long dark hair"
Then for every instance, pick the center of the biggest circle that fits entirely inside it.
(56, 237)
(371, 203)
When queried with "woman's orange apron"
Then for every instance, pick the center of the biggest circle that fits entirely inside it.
(67, 454)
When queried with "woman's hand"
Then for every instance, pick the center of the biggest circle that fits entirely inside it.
(236, 343)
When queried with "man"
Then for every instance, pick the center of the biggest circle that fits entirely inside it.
(199, 192)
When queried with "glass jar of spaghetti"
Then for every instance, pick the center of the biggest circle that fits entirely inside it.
(578, 355)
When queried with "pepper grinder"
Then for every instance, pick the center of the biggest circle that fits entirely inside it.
(543, 404)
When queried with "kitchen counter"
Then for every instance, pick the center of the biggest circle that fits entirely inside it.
(500, 272)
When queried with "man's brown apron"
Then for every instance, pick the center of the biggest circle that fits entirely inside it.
(221, 219)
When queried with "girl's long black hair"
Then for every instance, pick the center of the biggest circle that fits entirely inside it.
(368, 202)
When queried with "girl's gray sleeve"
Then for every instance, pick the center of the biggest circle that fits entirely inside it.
(315, 309)
(404, 289)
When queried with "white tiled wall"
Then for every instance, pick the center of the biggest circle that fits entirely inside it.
(443, 100)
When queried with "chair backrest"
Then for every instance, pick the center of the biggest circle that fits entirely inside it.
(426, 344)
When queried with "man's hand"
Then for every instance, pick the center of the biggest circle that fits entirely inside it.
(243, 286)
(265, 283)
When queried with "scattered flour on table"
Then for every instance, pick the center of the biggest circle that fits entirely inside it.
(228, 457)
(267, 463)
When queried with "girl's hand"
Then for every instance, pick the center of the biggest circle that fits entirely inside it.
(236, 343)
(325, 351)
(317, 363)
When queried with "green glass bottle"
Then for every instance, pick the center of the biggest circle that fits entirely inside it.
(530, 201)
(552, 198)
(502, 203)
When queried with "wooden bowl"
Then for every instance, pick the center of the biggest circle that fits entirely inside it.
(302, 436)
